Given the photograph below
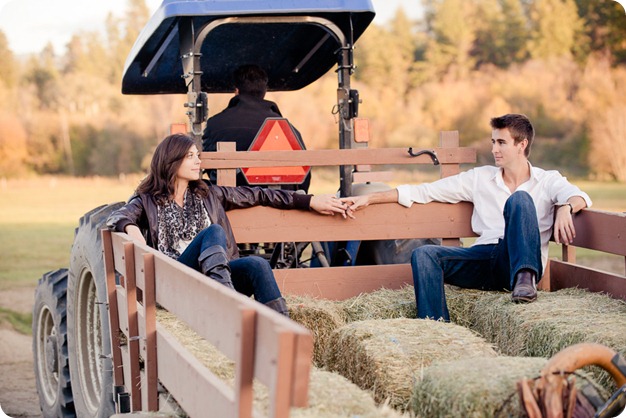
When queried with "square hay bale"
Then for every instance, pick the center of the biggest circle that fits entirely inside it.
(381, 304)
(555, 321)
(330, 394)
(388, 356)
(480, 387)
(320, 316)
(461, 303)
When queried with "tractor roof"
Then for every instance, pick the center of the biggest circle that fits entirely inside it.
(295, 41)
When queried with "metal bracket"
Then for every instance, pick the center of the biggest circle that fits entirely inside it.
(431, 154)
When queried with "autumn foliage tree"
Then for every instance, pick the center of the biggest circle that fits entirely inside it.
(561, 62)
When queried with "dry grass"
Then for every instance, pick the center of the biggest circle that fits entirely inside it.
(389, 356)
(381, 304)
(322, 317)
(555, 321)
(476, 387)
(330, 395)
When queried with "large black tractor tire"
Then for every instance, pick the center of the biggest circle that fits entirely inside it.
(394, 251)
(50, 351)
(88, 330)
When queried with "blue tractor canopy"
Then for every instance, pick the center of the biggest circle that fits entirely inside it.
(203, 41)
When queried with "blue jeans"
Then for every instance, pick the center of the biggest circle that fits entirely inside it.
(250, 275)
(486, 267)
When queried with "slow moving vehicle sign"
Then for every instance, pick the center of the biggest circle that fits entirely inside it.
(276, 134)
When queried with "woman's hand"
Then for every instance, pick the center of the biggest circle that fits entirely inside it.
(135, 233)
(328, 204)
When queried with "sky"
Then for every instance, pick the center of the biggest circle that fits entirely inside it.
(30, 24)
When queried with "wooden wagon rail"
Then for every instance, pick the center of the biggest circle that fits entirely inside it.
(263, 344)
(595, 230)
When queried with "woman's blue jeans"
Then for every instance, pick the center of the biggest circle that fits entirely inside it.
(250, 275)
(486, 267)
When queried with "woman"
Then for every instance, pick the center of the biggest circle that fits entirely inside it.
(184, 218)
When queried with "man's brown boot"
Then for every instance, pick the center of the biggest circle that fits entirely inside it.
(525, 290)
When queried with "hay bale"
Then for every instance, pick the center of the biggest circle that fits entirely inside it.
(333, 396)
(322, 317)
(476, 387)
(330, 394)
(461, 303)
(555, 321)
(388, 356)
(381, 304)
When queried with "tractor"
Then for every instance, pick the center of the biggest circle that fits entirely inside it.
(192, 48)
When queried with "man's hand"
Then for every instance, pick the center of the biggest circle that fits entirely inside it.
(564, 232)
(354, 203)
(328, 204)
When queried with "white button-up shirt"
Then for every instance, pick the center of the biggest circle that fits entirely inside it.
(485, 188)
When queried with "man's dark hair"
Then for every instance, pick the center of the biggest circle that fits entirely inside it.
(251, 79)
(519, 127)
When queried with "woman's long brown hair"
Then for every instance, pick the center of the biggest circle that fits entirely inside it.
(168, 157)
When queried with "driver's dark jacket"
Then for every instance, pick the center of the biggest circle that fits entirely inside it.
(141, 210)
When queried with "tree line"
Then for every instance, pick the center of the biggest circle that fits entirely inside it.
(561, 62)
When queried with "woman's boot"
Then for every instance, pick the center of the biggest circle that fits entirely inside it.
(279, 305)
(214, 264)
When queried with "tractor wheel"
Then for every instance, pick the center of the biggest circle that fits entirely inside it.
(50, 354)
(88, 330)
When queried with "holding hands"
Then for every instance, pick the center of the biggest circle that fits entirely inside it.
(328, 204)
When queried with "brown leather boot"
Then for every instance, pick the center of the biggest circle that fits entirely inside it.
(279, 305)
(525, 290)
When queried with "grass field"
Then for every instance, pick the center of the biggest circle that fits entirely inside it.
(38, 216)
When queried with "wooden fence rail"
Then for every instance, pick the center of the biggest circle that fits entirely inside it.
(263, 344)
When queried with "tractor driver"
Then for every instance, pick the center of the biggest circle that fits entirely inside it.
(516, 207)
(243, 117)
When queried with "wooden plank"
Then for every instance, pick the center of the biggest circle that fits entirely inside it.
(372, 176)
(119, 257)
(195, 388)
(303, 352)
(339, 283)
(227, 177)
(280, 390)
(269, 325)
(448, 141)
(134, 384)
(333, 157)
(244, 373)
(109, 267)
(206, 306)
(565, 275)
(601, 231)
(383, 221)
(150, 348)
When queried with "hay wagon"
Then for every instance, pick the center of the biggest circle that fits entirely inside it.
(126, 329)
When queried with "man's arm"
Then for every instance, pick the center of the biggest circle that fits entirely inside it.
(355, 203)
(564, 232)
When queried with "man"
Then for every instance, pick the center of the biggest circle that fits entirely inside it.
(514, 212)
(243, 118)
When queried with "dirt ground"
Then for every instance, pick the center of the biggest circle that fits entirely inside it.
(18, 395)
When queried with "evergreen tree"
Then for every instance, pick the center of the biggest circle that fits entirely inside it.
(556, 26)
(604, 27)
(452, 30)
